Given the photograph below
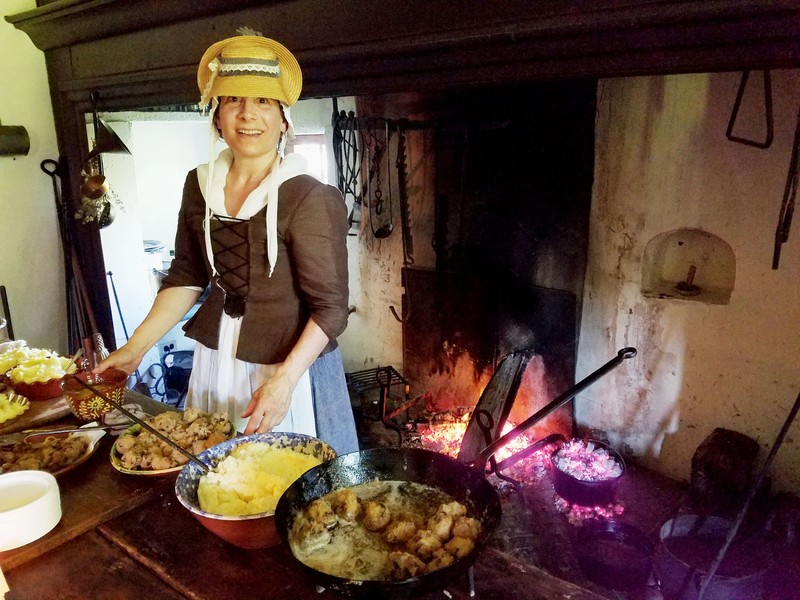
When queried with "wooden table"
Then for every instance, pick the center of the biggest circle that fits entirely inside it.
(92, 493)
(126, 537)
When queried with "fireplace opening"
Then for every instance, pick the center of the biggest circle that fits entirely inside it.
(494, 228)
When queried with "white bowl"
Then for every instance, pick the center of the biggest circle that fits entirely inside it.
(30, 506)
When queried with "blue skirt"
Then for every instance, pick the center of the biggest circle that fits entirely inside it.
(332, 410)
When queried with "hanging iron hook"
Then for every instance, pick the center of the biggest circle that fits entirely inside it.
(400, 319)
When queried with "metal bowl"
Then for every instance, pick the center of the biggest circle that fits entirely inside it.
(246, 531)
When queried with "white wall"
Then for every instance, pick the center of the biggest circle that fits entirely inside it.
(31, 262)
(149, 185)
(164, 152)
(662, 163)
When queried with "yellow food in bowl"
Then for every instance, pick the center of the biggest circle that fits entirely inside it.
(251, 479)
(34, 365)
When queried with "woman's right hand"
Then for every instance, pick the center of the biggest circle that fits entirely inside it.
(124, 359)
(169, 306)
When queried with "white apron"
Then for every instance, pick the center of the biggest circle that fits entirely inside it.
(220, 382)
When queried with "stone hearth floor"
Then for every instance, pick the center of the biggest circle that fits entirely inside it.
(534, 531)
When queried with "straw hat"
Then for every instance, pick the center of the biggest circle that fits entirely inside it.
(250, 66)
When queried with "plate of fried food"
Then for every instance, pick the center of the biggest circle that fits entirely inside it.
(138, 452)
(55, 453)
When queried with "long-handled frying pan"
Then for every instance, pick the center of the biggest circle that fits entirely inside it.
(456, 479)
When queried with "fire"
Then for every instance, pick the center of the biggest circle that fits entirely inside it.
(577, 514)
(445, 437)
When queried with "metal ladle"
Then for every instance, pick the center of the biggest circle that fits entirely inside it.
(106, 140)
(205, 467)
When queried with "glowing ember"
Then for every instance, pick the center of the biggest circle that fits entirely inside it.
(582, 460)
(445, 437)
(577, 514)
(586, 462)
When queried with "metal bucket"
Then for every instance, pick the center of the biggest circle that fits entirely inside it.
(688, 546)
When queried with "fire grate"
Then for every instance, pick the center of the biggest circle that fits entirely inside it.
(370, 379)
(385, 406)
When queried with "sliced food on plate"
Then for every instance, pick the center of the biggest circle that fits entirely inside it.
(56, 454)
(137, 451)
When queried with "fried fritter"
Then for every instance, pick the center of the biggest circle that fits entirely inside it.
(376, 515)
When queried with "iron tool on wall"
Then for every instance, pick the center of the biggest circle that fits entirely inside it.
(348, 161)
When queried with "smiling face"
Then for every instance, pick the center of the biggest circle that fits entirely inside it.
(251, 127)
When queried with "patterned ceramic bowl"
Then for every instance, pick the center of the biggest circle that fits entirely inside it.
(83, 403)
(248, 531)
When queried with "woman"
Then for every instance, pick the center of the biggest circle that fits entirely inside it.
(270, 241)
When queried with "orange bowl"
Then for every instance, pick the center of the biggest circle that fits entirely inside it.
(85, 404)
(38, 390)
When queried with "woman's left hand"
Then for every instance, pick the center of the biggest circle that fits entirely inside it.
(269, 403)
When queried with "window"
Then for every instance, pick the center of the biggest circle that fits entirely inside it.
(313, 147)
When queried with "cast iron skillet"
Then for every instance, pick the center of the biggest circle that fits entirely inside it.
(459, 481)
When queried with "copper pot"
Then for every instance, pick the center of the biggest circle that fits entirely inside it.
(94, 187)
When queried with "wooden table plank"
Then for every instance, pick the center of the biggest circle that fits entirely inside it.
(164, 537)
(87, 567)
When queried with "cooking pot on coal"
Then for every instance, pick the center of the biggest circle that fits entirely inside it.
(587, 493)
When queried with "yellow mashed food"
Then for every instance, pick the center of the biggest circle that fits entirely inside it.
(34, 365)
(10, 410)
(251, 479)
